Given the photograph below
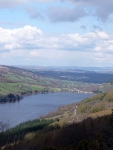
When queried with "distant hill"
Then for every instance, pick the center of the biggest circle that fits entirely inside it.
(78, 75)
(69, 68)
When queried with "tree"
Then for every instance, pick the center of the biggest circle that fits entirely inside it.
(3, 126)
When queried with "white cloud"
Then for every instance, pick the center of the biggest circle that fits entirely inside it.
(30, 38)
(103, 59)
(19, 38)
(31, 43)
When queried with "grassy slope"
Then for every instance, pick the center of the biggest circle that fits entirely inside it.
(96, 106)
(15, 80)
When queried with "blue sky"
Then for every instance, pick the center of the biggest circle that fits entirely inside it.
(56, 33)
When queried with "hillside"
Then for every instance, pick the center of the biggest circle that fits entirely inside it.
(78, 75)
(90, 127)
(23, 81)
(95, 106)
(75, 80)
(15, 80)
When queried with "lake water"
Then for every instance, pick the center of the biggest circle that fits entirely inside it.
(34, 106)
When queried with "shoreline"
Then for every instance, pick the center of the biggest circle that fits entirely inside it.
(29, 94)
(31, 106)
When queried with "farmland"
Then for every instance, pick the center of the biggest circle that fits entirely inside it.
(18, 81)
(23, 81)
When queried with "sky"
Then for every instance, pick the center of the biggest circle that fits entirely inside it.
(56, 33)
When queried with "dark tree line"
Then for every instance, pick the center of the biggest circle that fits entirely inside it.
(18, 132)
(10, 98)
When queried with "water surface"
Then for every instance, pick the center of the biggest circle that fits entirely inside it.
(34, 106)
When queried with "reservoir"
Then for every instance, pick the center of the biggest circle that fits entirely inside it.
(34, 106)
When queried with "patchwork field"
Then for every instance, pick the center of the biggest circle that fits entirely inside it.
(17, 80)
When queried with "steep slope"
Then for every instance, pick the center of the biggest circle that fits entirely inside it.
(95, 106)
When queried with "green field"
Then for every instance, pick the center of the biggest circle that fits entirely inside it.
(15, 80)
(6, 88)
(19, 81)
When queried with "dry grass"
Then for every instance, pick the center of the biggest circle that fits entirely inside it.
(101, 113)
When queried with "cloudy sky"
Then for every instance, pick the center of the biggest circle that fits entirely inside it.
(56, 32)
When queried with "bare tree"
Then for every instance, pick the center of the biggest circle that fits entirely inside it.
(3, 126)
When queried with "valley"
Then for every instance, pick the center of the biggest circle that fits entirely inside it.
(22, 81)
(28, 81)
(70, 123)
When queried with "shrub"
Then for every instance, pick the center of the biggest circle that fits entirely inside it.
(83, 108)
(109, 97)
(97, 108)
(96, 97)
